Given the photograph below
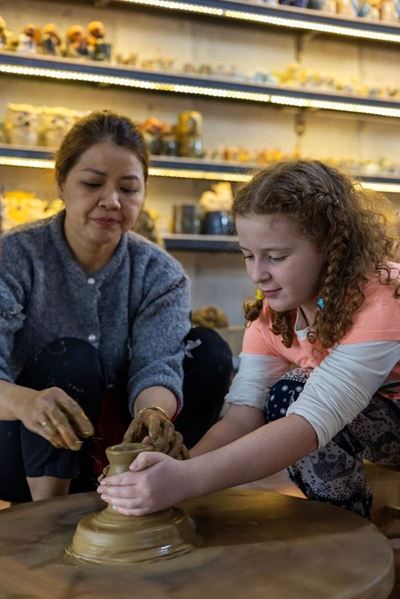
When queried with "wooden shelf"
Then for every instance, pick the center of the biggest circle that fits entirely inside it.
(285, 18)
(227, 244)
(178, 168)
(12, 63)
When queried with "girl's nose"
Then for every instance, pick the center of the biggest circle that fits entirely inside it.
(259, 273)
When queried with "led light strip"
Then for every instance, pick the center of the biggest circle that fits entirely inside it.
(155, 171)
(194, 174)
(383, 187)
(26, 162)
(313, 26)
(202, 90)
(241, 15)
(195, 8)
(332, 105)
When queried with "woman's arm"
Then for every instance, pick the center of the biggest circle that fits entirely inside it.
(14, 400)
(50, 413)
(157, 396)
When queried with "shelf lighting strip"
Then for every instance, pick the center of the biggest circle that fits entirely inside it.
(268, 19)
(155, 171)
(271, 98)
(314, 26)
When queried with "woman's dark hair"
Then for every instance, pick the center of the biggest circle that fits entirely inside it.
(96, 128)
(331, 210)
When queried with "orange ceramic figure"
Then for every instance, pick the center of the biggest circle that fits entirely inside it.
(76, 42)
(98, 48)
(29, 38)
(51, 42)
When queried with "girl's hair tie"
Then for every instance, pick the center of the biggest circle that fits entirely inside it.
(259, 295)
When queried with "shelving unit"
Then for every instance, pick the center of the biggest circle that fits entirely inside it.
(199, 28)
(12, 63)
(179, 168)
(285, 17)
(201, 243)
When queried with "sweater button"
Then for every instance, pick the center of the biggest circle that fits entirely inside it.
(92, 338)
(91, 281)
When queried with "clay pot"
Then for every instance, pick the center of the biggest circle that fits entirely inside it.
(109, 537)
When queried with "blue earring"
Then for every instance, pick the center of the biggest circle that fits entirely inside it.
(321, 303)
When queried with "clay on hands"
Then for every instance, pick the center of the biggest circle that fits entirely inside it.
(56, 417)
(153, 426)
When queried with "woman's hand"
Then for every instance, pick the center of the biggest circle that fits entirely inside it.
(55, 416)
(154, 482)
(152, 426)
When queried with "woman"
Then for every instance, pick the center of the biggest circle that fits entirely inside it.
(91, 314)
(318, 385)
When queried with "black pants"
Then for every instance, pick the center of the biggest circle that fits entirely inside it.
(76, 367)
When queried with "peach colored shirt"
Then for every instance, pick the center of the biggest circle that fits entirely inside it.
(378, 319)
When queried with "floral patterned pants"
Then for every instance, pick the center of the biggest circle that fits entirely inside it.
(335, 473)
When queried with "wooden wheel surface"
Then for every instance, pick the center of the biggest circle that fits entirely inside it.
(254, 544)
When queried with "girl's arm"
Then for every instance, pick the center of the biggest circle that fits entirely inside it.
(237, 422)
(156, 481)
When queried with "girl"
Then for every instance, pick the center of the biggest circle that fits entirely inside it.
(318, 385)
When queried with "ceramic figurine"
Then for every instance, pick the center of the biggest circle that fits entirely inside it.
(98, 48)
(6, 36)
(51, 42)
(190, 134)
(22, 124)
(28, 39)
(76, 46)
(55, 124)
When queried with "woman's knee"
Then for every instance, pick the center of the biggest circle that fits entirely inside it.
(72, 365)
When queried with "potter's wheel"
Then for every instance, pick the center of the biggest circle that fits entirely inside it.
(254, 544)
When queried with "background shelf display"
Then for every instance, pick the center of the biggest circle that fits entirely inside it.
(179, 168)
(12, 63)
(170, 48)
(288, 18)
(227, 244)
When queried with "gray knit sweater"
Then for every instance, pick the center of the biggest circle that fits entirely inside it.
(135, 309)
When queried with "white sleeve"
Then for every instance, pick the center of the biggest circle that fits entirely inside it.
(255, 377)
(343, 384)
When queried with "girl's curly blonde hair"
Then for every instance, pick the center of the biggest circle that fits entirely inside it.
(332, 211)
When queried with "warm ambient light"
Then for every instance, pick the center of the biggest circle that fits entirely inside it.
(285, 100)
(178, 173)
(26, 162)
(383, 187)
(194, 174)
(154, 171)
(186, 6)
(268, 19)
(313, 26)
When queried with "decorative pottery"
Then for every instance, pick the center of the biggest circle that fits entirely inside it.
(108, 537)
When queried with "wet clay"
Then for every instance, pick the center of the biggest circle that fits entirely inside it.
(108, 537)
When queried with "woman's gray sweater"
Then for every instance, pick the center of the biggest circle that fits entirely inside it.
(135, 309)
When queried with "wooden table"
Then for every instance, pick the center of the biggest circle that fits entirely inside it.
(256, 545)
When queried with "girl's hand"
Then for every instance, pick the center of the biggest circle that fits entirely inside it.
(154, 482)
(55, 416)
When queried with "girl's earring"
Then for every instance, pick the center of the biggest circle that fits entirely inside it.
(259, 295)
(321, 303)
